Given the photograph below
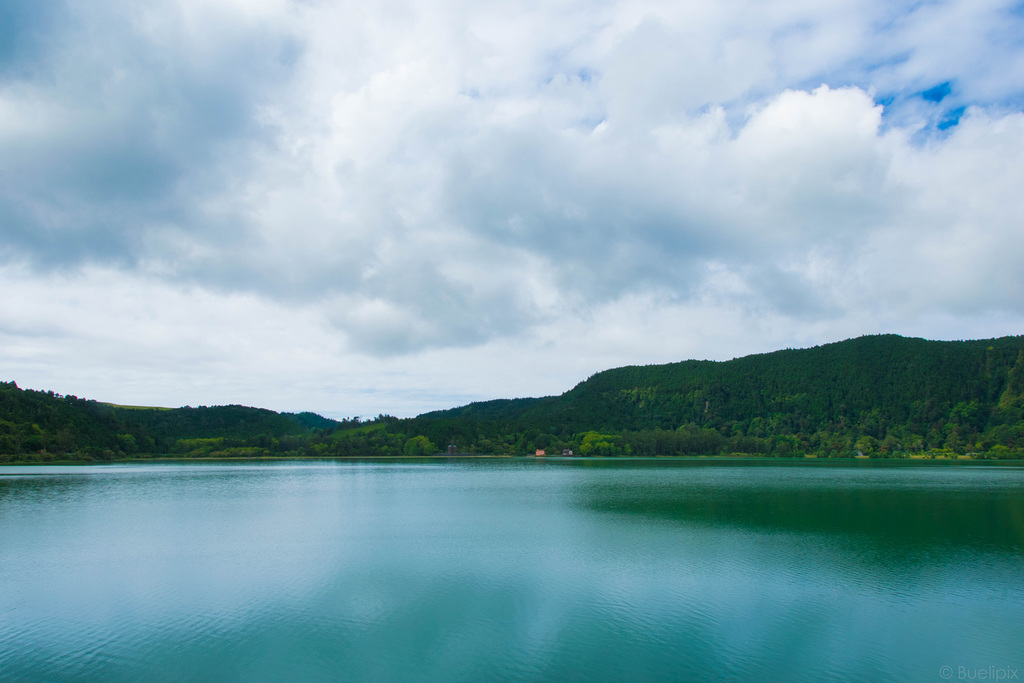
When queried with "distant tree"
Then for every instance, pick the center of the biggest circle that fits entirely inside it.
(866, 445)
(419, 445)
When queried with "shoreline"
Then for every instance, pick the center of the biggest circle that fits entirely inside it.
(808, 460)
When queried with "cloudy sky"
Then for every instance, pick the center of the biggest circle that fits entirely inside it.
(403, 205)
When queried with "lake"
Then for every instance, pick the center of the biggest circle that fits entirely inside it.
(558, 570)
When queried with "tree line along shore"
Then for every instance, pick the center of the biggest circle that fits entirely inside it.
(881, 396)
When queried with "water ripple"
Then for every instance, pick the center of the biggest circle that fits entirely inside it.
(435, 571)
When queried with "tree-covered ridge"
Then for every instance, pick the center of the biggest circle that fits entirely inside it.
(885, 396)
(870, 382)
(46, 424)
(879, 395)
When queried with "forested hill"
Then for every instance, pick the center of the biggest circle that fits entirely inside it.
(888, 377)
(923, 394)
(883, 396)
(42, 423)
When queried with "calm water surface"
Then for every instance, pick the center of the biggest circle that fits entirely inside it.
(447, 571)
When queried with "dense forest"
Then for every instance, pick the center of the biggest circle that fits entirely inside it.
(878, 396)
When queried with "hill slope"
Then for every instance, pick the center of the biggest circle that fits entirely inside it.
(885, 396)
(924, 392)
(45, 425)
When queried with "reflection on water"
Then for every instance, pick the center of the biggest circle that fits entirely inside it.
(981, 509)
(584, 570)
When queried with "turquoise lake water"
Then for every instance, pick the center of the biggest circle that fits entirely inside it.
(475, 570)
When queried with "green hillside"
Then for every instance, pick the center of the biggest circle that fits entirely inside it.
(44, 426)
(884, 380)
(905, 394)
(881, 396)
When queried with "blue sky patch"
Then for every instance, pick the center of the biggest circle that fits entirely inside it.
(938, 93)
(951, 118)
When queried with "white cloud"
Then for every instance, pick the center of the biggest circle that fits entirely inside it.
(426, 202)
